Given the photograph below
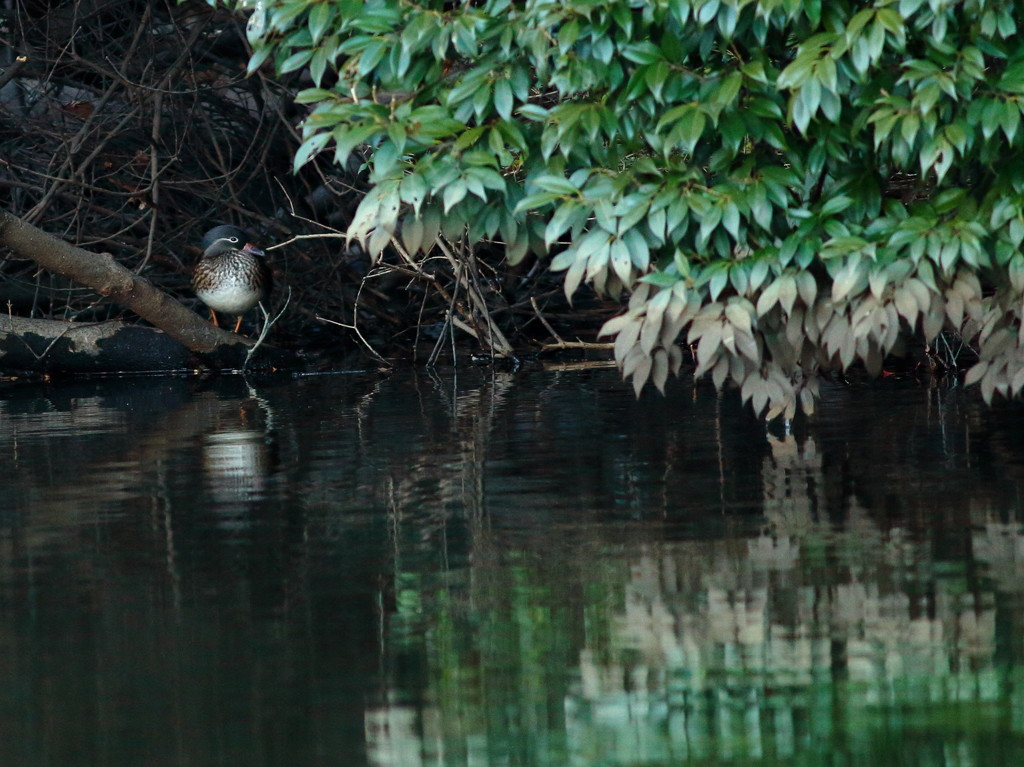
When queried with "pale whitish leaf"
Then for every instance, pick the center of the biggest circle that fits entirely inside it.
(807, 401)
(746, 345)
(431, 217)
(738, 315)
(906, 305)
(639, 251)
(670, 329)
(811, 329)
(997, 343)
(615, 324)
(759, 395)
(650, 333)
(748, 385)
(955, 309)
(659, 369)
(378, 241)
(641, 293)
(1017, 383)
(626, 339)
(758, 273)
(795, 328)
(988, 384)
(377, 208)
(860, 320)
(740, 368)
(729, 338)
(595, 255)
(877, 282)
(718, 282)
(787, 292)
(658, 304)
(739, 276)
(707, 349)
(926, 274)
(720, 372)
(454, 193)
(824, 310)
(414, 190)
(920, 292)
(779, 387)
(702, 323)
(807, 286)
(892, 328)
(574, 277)
(1016, 273)
(591, 244)
(641, 374)
(560, 221)
(847, 349)
(832, 335)
(675, 358)
(676, 305)
(633, 358)
(621, 261)
(845, 281)
(933, 320)
(768, 298)
(969, 286)
(412, 234)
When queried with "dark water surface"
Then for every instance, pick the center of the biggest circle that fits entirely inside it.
(506, 570)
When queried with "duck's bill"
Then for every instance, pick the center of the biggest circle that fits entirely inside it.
(250, 248)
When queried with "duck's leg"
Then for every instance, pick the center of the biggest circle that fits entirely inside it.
(213, 318)
(239, 323)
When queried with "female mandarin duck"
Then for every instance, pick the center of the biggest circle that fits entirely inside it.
(232, 275)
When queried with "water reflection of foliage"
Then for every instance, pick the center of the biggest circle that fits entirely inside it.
(541, 572)
(807, 641)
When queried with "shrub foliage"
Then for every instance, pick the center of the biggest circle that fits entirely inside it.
(787, 185)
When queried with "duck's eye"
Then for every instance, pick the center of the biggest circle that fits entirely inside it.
(232, 239)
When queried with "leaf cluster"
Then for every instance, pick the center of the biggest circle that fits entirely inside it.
(790, 185)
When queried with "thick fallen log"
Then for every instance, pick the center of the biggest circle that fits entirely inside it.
(72, 347)
(87, 347)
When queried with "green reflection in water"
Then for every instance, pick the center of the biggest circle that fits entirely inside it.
(796, 642)
(506, 570)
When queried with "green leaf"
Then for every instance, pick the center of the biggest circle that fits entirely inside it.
(642, 52)
(259, 56)
(1012, 80)
(556, 184)
(319, 18)
(561, 220)
(836, 204)
(295, 61)
(503, 98)
(308, 148)
(533, 201)
(690, 128)
(454, 193)
(348, 137)
(314, 95)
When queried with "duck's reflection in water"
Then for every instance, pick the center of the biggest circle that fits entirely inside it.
(236, 462)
